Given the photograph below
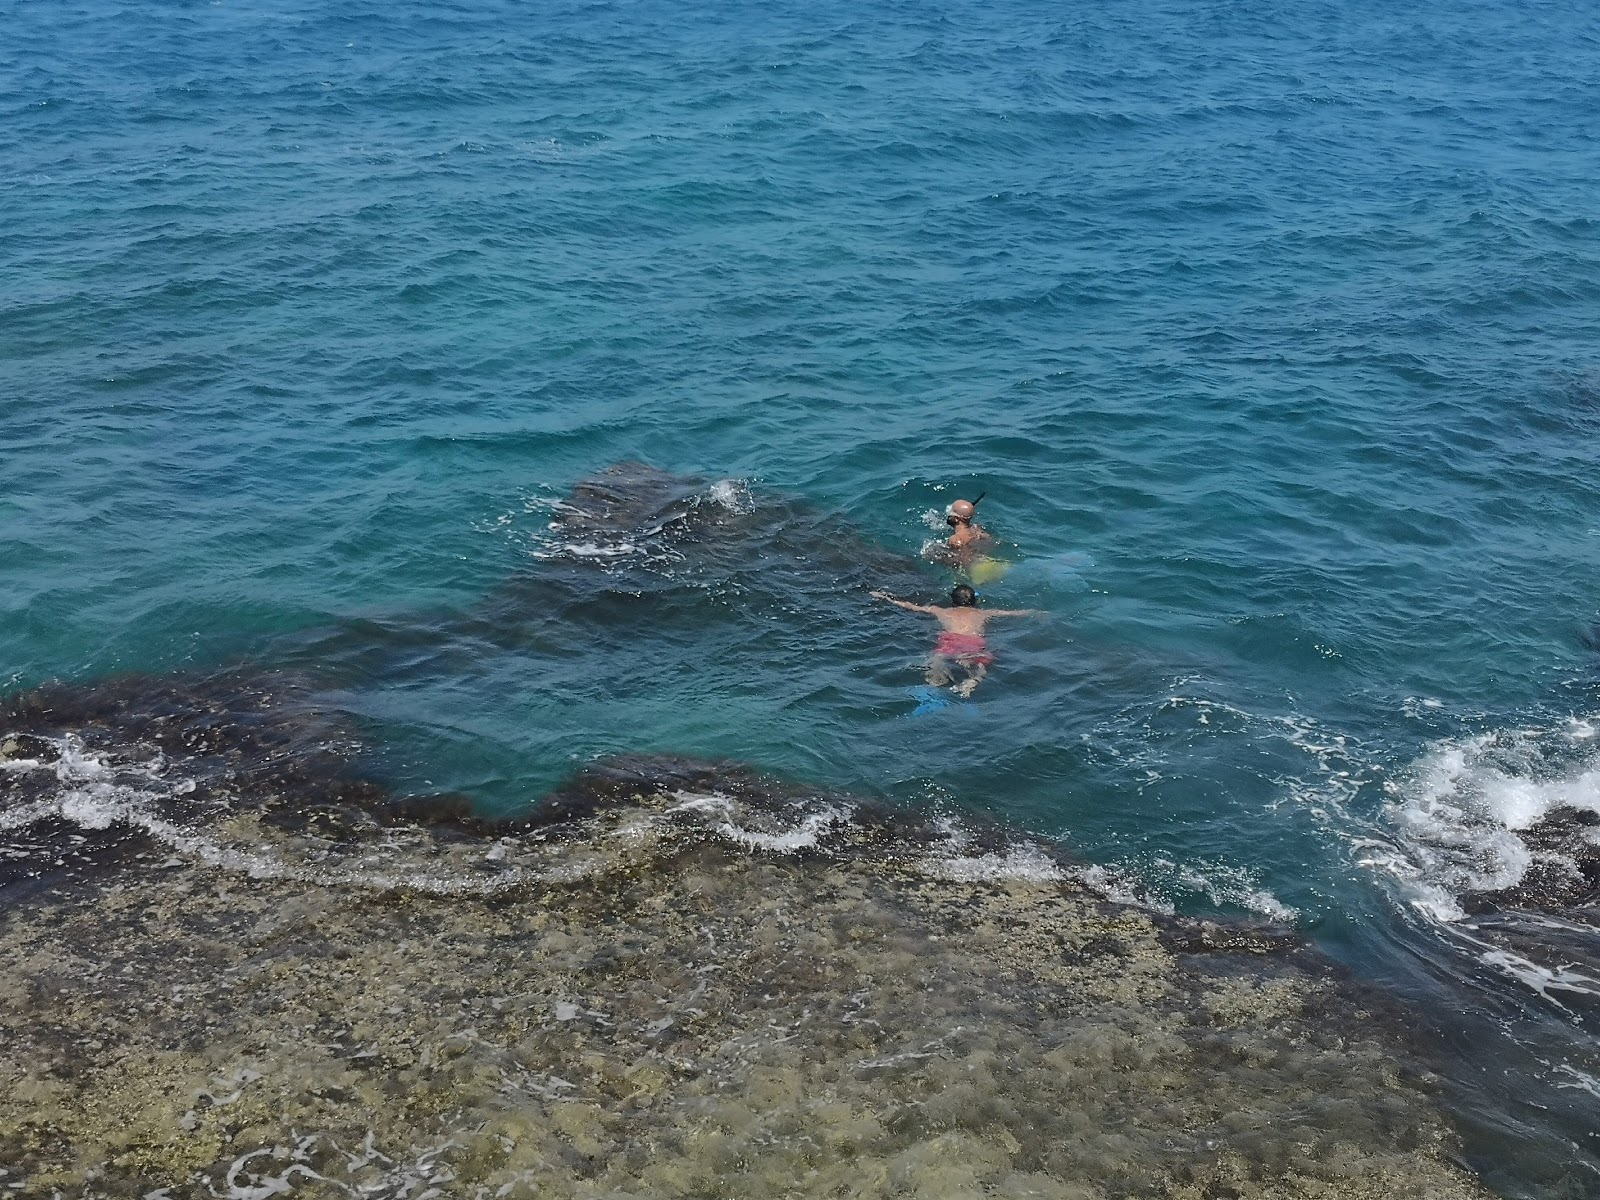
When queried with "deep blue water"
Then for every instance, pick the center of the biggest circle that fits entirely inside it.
(1268, 329)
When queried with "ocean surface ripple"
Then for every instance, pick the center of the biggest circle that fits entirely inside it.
(1268, 331)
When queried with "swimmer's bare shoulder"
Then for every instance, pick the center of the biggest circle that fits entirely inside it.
(977, 618)
(969, 537)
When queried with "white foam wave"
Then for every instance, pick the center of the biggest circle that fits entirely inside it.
(89, 793)
(1459, 814)
(733, 495)
(1120, 887)
(586, 550)
(95, 792)
(804, 835)
(1463, 780)
(1025, 863)
(1236, 886)
(1022, 862)
(1154, 885)
(700, 802)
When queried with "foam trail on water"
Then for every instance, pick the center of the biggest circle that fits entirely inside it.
(1543, 980)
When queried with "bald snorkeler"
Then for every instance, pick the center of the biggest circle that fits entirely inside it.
(961, 640)
(967, 538)
(969, 548)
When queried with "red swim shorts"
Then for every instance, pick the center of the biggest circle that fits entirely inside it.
(966, 648)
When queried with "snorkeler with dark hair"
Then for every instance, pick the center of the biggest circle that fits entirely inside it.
(961, 637)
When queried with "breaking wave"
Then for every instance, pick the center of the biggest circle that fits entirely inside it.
(1472, 816)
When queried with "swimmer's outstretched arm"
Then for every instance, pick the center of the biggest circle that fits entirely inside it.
(905, 604)
(1013, 612)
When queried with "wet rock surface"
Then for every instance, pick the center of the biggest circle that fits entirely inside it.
(678, 979)
(1545, 930)
(120, 770)
(1564, 873)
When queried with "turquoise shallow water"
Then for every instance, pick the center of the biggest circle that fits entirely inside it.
(1268, 330)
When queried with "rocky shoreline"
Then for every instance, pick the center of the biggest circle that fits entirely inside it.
(672, 979)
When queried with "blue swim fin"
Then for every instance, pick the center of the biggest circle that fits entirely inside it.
(929, 700)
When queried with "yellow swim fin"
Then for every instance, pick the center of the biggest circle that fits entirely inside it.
(988, 570)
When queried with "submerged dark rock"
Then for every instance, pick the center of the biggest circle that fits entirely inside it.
(628, 498)
(634, 519)
(638, 564)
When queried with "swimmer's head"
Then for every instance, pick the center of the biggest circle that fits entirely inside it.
(960, 513)
(962, 596)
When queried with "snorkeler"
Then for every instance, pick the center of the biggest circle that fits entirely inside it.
(969, 548)
(961, 640)
(967, 537)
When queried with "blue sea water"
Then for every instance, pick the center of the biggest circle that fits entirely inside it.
(1268, 329)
